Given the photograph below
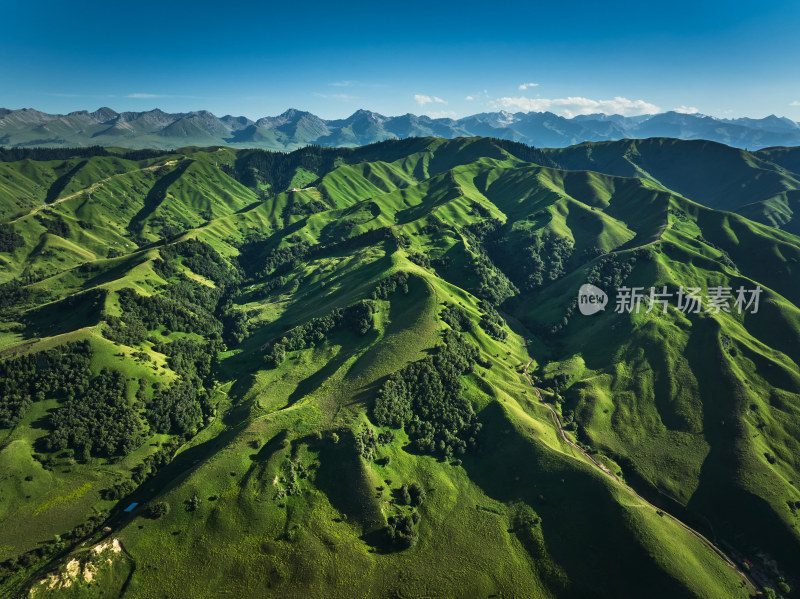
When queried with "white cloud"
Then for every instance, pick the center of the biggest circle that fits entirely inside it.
(469, 98)
(422, 100)
(685, 109)
(794, 103)
(144, 96)
(573, 106)
(525, 86)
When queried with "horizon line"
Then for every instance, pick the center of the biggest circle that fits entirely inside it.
(290, 109)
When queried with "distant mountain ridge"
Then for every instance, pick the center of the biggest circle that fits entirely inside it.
(296, 128)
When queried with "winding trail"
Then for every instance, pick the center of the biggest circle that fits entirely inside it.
(92, 188)
(752, 587)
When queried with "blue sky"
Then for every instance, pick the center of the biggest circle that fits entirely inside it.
(726, 59)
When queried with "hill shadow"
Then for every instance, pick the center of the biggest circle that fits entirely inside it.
(157, 194)
(583, 528)
(66, 315)
(723, 493)
(342, 478)
(59, 184)
(313, 382)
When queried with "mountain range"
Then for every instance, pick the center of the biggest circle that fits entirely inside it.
(294, 129)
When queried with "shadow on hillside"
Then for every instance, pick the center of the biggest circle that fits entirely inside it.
(156, 195)
(106, 273)
(176, 471)
(66, 315)
(740, 516)
(582, 529)
(341, 476)
(59, 184)
(313, 382)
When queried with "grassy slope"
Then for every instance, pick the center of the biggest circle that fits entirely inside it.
(760, 185)
(667, 430)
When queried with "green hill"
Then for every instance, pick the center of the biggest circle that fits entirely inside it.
(760, 185)
(363, 372)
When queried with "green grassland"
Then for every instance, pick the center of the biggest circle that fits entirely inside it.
(259, 307)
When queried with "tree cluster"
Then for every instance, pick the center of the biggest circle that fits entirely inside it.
(282, 260)
(456, 317)
(179, 408)
(49, 548)
(532, 262)
(277, 169)
(61, 372)
(479, 210)
(307, 208)
(202, 259)
(47, 154)
(189, 358)
(367, 442)
(419, 259)
(100, 423)
(293, 471)
(267, 288)
(390, 284)
(358, 317)
(400, 530)
(491, 283)
(544, 259)
(148, 468)
(526, 153)
(185, 306)
(426, 399)
(10, 239)
(611, 270)
(157, 510)
(413, 494)
(182, 407)
(12, 294)
(234, 323)
(54, 226)
(491, 322)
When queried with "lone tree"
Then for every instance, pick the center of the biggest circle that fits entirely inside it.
(193, 503)
(400, 531)
(158, 510)
(417, 494)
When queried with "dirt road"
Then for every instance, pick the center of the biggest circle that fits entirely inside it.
(92, 188)
(751, 586)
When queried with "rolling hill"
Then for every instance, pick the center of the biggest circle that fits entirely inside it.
(363, 371)
(761, 185)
